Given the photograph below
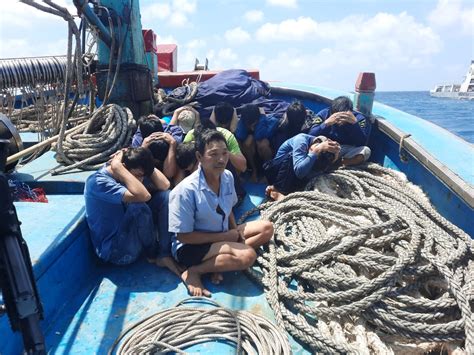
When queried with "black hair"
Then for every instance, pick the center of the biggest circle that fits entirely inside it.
(185, 155)
(341, 104)
(223, 113)
(207, 136)
(159, 149)
(149, 125)
(295, 117)
(139, 158)
(249, 114)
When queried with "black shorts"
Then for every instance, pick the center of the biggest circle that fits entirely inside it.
(192, 254)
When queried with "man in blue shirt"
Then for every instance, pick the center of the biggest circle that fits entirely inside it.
(347, 127)
(298, 159)
(253, 132)
(124, 218)
(206, 236)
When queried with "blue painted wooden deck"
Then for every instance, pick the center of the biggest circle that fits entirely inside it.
(87, 302)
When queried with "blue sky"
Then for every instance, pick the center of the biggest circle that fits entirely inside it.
(409, 44)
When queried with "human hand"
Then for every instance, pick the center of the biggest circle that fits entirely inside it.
(116, 160)
(332, 119)
(326, 146)
(168, 138)
(152, 137)
(346, 118)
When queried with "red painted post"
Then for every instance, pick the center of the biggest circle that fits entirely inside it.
(364, 93)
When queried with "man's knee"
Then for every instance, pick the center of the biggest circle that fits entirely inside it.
(247, 257)
(267, 230)
(248, 142)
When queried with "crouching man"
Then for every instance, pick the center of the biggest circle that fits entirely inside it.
(297, 161)
(207, 238)
(124, 218)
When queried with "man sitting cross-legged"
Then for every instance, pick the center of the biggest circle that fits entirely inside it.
(207, 239)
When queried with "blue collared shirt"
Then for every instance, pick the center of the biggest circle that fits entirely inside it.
(350, 134)
(303, 159)
(193, 206)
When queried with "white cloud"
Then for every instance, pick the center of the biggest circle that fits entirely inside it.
(226, 54)
(188, 6)
(178, 19)
(196, 43)
(283, 3)
(392, 35)
(253, 16)
(224, 58)
(379, 44)
(299, 29)
(451, 13)
(166, 40)
(175, 12)
(156, 11)
(237, 35)
(255, 61)
(24, 48)
(13, 14)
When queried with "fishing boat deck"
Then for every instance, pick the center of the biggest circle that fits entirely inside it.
(88, 303)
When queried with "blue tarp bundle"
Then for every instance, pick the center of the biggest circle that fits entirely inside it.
(236, 87)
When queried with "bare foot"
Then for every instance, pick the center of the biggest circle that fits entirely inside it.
(168, 262)
(194, 284)
(273, 193)
(216, 278)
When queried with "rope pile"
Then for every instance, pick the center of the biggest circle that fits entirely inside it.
(109, 129)
(178, 328)
(367, 265)
(44, 118)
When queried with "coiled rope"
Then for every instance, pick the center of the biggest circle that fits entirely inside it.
(178, 328)
(180, 96)
(109, 129)
(367, 265)
(20, 72)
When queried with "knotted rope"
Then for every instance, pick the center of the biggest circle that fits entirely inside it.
(109, 129)
(366, 265)
(178, 328)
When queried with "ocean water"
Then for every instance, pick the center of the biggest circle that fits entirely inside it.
(457, 116)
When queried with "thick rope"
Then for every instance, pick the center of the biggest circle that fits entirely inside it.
(176, 329)
(180, 96)
(110, 128)
(362, 250)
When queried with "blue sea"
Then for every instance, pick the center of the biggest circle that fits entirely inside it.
(456, 116)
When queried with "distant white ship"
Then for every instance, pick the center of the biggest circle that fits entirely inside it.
(455, 91)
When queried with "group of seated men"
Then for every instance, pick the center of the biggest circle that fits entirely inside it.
(171, 195)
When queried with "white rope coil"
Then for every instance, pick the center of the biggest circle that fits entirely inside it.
(366, 257)
(178, 328)
(110, 128)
